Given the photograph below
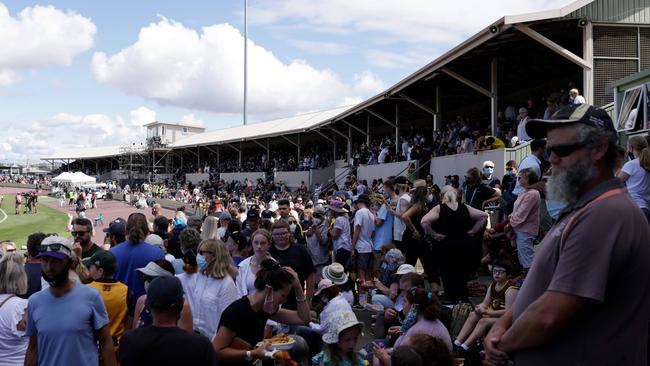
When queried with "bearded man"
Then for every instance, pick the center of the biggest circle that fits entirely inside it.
(67, 323)
(585, 300)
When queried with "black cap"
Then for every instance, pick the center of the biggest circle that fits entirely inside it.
(164, 292)
(364, 198)
(266, 214)
(572, 113)
(252, 214)
(116, 227)
(401, 180)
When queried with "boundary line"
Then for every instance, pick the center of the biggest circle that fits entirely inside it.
(4, 213)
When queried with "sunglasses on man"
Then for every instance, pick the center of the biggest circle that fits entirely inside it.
(562, 151)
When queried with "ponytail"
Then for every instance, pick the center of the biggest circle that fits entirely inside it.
(272, 274)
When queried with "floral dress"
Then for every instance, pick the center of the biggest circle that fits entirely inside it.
(323, 358)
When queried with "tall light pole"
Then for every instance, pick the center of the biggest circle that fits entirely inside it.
(245, 56)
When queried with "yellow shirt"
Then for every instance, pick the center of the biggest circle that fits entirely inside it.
(115, 296)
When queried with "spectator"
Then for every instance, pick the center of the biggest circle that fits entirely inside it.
(249, 267)
(364, 229)
(342, 338)
(13, 309)
(575, 97)
(164, 342)
(487, 176)
(67, 323)
(636, 174)
(532, 161)
(33, 265)
(477, 194)
(521, 125)
(318, 242)
(524, 218)
(340, 233)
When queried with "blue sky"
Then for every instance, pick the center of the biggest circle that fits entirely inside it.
(87, 73)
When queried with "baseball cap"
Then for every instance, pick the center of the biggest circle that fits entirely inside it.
(164, 292)
(116, 226)
(401, 180)
(194, 221)
(55, 247)
(363, 198)
(252, 214)
(572, 113)
(225, 216)
(102, 259)
(523, 110)
(154, 240)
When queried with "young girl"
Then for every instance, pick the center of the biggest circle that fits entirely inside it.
(341, 338)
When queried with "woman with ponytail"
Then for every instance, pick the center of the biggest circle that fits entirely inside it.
(242, 323)
(636, 174)
(134, 253)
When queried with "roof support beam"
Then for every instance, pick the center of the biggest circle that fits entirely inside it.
(290, 141)
(354, 127)
(338, 132)
(324, 136)
(467, 82)
(381, 117)
(418, 104)
(233, 147)
(259, 144)
(553, 46)
(210, 149)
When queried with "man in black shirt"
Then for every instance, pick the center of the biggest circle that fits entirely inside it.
(163, 343)
(33, 265)
(476, 193)
(82, 233)
(295, 256)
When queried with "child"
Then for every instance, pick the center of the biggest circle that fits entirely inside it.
(341, 338)
(499, 297)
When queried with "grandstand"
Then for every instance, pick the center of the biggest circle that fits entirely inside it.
(591, 43)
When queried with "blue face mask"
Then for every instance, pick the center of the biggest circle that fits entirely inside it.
(511, 172)
(201, 262)
(488, 170)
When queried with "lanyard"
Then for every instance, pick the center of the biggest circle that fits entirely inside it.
(473, 194)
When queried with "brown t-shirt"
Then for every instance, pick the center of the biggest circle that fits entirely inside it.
(605, 259)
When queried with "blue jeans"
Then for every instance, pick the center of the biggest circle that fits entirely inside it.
(383, 300)
(525, 248)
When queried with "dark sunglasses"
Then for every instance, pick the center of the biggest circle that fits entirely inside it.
(54, 247)
(75, 233)
(564, 150)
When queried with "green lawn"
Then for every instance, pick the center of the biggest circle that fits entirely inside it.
(18, 227)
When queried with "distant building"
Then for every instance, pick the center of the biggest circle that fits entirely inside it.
(168, 133)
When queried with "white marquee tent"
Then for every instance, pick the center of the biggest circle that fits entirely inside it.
(75, 179)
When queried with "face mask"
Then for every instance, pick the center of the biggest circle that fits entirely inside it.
(511, 173)
(292, 227)
(317, 221)
(59, 279)
(221, 232)
(201, 262)
(269, 306)
(487, 170)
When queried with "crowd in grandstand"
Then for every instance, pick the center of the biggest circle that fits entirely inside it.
(249, 270)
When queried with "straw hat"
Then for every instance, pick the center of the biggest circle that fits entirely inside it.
(335, 273)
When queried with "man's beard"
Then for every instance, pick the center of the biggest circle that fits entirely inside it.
(568, 185)
(58, 279)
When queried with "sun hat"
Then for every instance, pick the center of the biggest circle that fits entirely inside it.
(572, 113)
(322, 285)
(339, 322)
(337, 206)
(153, 270)
(405, 268)
(419, 183)
(55, 247)
(335, 273)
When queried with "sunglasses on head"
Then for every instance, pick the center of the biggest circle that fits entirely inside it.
(54, 247)
(564, 150)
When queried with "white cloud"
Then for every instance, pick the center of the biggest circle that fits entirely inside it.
(41, 36)
(368, 83)
(191, 120)
(412, 21)
(175, 65)
(65, 130)
(8, 77)
(320, 48)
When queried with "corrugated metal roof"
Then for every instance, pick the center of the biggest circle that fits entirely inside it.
(85, 153)
(615, 11)
(277, 127)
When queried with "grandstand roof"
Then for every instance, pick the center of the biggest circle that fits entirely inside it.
(274, 128)
(85, 153)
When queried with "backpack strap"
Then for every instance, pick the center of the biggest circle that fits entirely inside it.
(572, 220)
(5, 300)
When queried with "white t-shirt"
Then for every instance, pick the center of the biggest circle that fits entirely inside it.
(13, 343)
(344, 241)
(638, 184)
(398, 225)
(366, 220)
(529, 162)
(521, 130)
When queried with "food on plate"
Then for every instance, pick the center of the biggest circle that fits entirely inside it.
(279, 338)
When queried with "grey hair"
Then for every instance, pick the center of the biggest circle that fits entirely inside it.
(592, 136)
(13, 278)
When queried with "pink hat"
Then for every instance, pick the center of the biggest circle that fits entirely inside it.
(322, 285)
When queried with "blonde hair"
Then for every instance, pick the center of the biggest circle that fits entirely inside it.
(13, 278)
(209, 228)
(449, 195)
(265, 233)
(640, 144)
(223, 264)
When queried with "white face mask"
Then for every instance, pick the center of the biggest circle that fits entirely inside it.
(292, 227)
(221, 232)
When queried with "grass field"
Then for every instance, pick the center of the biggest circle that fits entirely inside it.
(17, 227)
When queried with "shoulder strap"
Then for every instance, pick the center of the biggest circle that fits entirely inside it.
(5, 300)
(572, 220)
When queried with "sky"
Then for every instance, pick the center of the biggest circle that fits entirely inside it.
(78, 73)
